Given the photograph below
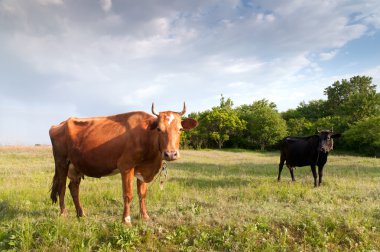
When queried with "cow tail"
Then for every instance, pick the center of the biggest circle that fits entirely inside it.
(57, 136)
(59, 179)
(55, 188)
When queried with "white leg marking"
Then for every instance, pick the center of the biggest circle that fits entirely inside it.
(127, 219)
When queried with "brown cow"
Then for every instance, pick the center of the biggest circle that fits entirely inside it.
(133, 144)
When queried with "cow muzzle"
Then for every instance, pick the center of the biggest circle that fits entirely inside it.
(171, 155)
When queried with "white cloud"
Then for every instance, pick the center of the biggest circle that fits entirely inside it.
(113, 56)
(328, 55)
(374, 72)
(265, 18)
(222, 64)
(48, 2)
(237, 84)
(106, 5)
(141, 94)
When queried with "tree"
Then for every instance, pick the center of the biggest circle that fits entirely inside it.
(364, 136)
(222, 123)
(299, 126)
(225, 104)
(300, 121)
(291, 114)
(355, 98)
(313, 110)
(265, 126)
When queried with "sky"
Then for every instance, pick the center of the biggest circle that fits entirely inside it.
(63, 58)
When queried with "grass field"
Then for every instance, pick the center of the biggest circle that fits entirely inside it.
(211, 201)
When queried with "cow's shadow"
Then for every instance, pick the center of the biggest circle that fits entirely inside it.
(9, 211)
(210, 183)
(220, 176)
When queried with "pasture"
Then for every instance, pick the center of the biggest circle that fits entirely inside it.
(211, 201)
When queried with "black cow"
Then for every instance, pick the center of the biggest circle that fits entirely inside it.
(303, 151)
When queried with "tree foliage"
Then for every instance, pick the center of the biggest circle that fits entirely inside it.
(364, 136)
(222, 122)
(299, 126)
(264, 124)
(355, 98)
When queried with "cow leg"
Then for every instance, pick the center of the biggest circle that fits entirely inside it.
(291, 170)
(127, 181)
(141, 190)
(74, 190)
(320, 174)
(314, 174)
(280, 166)
(62, 196)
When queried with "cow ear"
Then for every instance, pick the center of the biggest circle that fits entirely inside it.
(189, 123)
(337, 135)
(153, 125)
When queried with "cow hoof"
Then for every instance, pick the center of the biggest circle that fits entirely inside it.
(127, 221)
(145, 217)
(63, 213)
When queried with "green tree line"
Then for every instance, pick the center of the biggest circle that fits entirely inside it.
(351, 107)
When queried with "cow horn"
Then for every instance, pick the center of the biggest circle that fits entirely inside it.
(183, 110)
(318, 130)
(154, 112)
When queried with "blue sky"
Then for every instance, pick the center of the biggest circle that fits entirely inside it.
(62, 58)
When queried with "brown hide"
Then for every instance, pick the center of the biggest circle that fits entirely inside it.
(131, 144)
(98, 146)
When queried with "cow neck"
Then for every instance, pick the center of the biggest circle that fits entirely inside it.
(155, 139)
(318, 149)
(316, 162)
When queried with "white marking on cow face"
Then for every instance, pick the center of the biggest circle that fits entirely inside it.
(127, 219)
(170, 119)
(139, 177)
(326, 142)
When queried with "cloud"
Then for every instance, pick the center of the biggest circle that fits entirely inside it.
(106, 5)
(374, 72)
(47, 2)
(328, 55)
(147, 92)
(104, 57)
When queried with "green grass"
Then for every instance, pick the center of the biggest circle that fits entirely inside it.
(211, 201)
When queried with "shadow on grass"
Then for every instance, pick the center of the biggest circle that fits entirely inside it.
(250, 169)
(227, 182)
(9, 211)
(209, 176)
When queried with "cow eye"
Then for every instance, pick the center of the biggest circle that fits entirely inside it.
(181, 129)
(158, 129)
